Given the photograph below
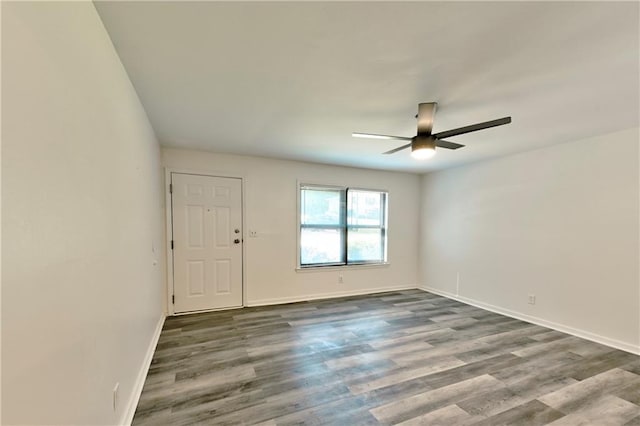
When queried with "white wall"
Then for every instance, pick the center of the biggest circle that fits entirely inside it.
(81, 196)
(270, 206)
(559, 222)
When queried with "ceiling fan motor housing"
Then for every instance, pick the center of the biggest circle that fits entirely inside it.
(423, 142)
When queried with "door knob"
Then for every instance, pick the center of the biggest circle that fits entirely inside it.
(236, 241)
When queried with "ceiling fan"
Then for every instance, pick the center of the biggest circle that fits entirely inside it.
(424, 144)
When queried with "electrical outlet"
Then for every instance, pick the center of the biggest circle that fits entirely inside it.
(116, 388)
(340, 279)
(253, 234)
(532, 299)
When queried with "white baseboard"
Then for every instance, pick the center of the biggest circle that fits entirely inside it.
(130, 410)
(317, 296)
(617, 344)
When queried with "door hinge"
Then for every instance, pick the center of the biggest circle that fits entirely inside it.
(171, 244)
(170, 188)
(173, 299)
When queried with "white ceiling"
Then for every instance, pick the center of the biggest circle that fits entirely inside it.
(293, 80)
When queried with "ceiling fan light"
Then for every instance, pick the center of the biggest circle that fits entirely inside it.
(423, 153)
(423, 147)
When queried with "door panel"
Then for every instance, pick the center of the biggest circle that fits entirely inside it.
(207, 262)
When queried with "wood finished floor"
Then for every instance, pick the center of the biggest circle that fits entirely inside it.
(407, 357)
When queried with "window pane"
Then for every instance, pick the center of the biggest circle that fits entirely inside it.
(365, 245)
(320, 206)
(364, 208)
(320, 246)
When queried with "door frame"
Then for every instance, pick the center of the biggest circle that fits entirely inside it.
(168, 208)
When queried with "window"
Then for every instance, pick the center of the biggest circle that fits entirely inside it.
(342, 226)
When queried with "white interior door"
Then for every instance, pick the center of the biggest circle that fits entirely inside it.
(207, 242)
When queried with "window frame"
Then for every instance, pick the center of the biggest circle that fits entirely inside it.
(343, 226)
(383, 227)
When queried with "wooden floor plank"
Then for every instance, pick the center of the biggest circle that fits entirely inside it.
(533, 413)
(581, 395)
(605, 411)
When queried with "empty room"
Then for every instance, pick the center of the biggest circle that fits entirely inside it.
(320, 213)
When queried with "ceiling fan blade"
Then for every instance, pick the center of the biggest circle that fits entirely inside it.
(426, 111)
(373, 136)
(448, 145)
(473, 128)
(400, 148)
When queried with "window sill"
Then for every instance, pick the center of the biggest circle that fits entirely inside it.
(342, 267)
